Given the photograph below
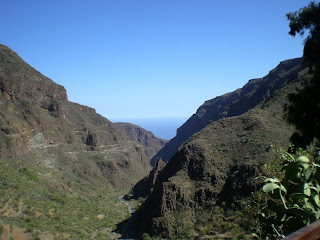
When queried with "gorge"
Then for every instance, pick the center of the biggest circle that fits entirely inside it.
(63, 166)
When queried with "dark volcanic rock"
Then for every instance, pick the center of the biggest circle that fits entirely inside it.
(145, 138)
(219, 163)
(232, 104)
(144, 186)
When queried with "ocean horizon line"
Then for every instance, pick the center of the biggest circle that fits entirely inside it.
(164, 127)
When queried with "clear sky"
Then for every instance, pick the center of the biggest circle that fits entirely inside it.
(150, 58)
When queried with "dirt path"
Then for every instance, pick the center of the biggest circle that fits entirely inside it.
(128, 227)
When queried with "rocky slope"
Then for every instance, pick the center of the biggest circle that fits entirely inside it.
(145, 138)
(36, 116)
(195, 194)
(59, 152)
(145, 185)
(231, 104)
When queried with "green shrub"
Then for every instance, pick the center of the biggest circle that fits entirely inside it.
(32, 176)
(292, 199)
(146, 236)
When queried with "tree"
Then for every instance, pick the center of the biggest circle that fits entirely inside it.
(308, 19)
(303, 109)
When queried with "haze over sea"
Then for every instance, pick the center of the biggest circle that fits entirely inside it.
(161, 127)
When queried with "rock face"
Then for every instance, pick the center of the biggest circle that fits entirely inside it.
(232, 104)
(144, 186)
(145, 138)
(38, 121)
(218, 164)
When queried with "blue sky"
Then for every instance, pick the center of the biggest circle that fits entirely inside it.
(150, 58)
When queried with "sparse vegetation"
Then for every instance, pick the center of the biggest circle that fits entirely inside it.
(39, 207)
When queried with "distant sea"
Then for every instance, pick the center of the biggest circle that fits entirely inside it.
(165, 128)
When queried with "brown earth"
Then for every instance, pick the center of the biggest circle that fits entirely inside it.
(59, 155)
(37, 119)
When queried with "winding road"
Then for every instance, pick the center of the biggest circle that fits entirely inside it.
(128, 227)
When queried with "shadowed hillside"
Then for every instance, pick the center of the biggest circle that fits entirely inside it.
(200, 192)
(232, 104)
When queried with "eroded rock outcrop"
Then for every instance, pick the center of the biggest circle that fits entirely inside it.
(232, 104)
(151, 143)
(36, 119)
(216, 166)
(144, 186)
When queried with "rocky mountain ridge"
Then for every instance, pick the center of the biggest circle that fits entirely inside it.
(232, 104)
(36, 116)
(62, 165)
(193, 194)
(145, 138)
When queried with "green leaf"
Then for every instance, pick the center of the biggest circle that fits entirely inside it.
(310, 207)
(254, 235)
(283, 189)
(317, 200)
(315, 207)
(269, 187)
(283, 201)
(314, 189)
(290, 156)
(306, 189)
(317, 175)
(306, 221)
(298, 212)
(305, 166)
(308, 173)
(292, 170)
(273, 180)
(297, 196)
(315, 184)
(303, 159)
(273, 206)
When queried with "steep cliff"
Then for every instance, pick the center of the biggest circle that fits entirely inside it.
(214, 169)
(62, 165)
(145, 138)
(35, 116)
(232, 104)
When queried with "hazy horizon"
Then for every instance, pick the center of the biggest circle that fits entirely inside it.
(164, 128)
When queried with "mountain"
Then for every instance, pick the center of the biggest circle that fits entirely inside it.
(145, 138)
(145, 185)
(201, 192)
(231, 104)
(62, 165)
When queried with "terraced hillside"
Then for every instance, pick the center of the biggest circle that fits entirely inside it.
(63, 166)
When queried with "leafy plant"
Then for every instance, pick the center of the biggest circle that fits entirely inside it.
(292, 200)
